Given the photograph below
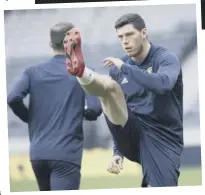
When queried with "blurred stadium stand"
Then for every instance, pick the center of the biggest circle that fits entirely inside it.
(27, 43)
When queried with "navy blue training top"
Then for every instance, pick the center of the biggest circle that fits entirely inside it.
(55, 112)
(154, 93)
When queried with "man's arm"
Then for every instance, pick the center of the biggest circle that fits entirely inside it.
(160, 82)
(116, 152)
(16, 96)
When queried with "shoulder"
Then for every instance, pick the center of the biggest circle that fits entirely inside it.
(37, 66)
(163, 54)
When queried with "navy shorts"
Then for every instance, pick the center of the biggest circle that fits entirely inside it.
(56, 175)
(128, 137)
(159, 170)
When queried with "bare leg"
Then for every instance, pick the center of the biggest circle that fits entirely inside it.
(109, 92)
(111, 97)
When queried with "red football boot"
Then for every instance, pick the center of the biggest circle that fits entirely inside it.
(74, 56)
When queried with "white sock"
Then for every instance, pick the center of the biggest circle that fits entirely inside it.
(87, 78)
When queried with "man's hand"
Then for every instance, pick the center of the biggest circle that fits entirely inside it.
(110, 61)
(116, 165)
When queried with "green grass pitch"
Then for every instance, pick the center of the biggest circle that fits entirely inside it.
(189, 177)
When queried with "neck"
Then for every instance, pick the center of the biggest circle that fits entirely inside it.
(144, 52)
(59, 53)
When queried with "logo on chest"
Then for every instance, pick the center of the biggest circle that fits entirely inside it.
(124, 80)
(149, 70)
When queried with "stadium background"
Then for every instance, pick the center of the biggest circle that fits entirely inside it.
(27, 43)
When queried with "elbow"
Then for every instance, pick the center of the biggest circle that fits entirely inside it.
(165, 86)
(10, 100)
(98, 110)
(92, 114)
(163, 90)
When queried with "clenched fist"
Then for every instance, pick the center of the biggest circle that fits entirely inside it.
(116, 165)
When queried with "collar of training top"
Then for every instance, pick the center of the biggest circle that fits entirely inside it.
(151, 50)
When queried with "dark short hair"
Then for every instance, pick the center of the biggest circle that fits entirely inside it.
(135, 19)
(57, 34)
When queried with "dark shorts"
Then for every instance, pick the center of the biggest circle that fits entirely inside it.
(132, 142)
(56, 175)
(128, 137)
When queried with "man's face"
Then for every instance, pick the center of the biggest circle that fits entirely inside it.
(131, 39)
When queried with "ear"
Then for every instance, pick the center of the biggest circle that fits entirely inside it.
(144, 33)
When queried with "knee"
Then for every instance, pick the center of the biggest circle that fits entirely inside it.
(111, 86)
